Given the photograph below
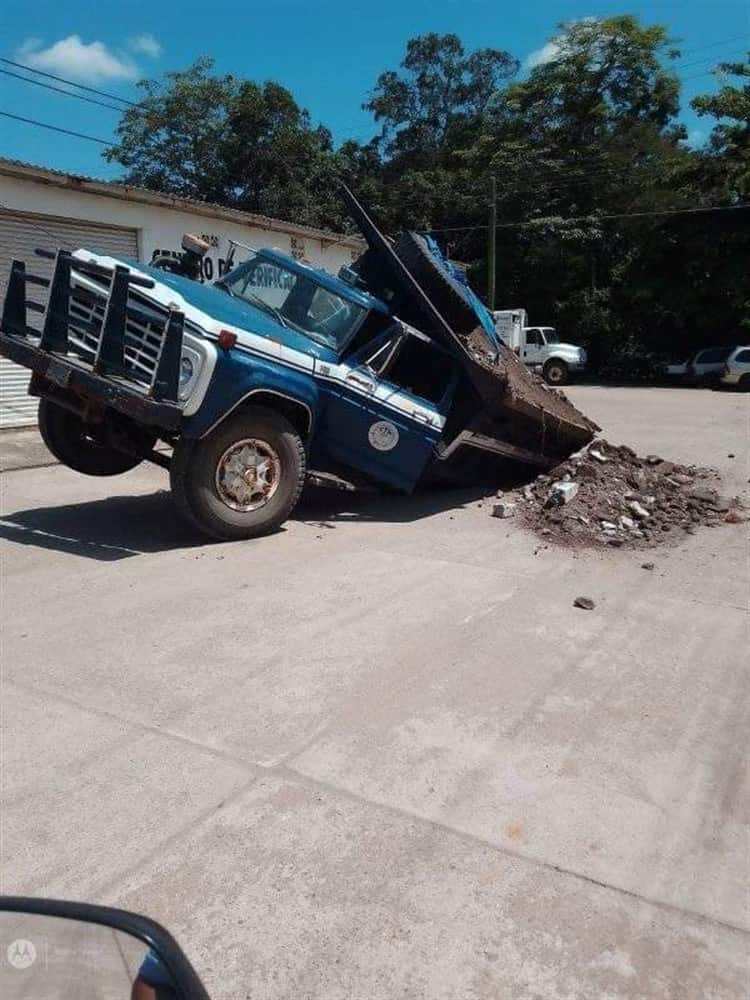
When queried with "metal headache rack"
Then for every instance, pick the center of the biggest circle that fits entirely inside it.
(111, 330)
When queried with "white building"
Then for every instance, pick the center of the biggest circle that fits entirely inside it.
(40, 207)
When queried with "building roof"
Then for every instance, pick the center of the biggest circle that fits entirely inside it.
(129, 192)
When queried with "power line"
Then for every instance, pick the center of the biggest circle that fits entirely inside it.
(55, 128)
(715, 45)
(70, 83)
(59, 90)
(709, 72)
(594, 218)
(699, 62)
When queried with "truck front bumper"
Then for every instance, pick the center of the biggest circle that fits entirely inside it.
(60, 372)
(102, 369)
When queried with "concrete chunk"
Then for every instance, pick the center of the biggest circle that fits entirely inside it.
(505, 509)
(561, 493)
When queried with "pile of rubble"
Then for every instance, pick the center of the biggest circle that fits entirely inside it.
(607, 495)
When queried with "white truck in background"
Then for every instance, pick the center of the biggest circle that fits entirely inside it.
(539, 347)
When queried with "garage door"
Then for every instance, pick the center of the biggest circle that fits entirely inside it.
(19, 234)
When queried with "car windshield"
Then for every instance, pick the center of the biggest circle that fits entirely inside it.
(713, 356)
(295, 301)
(551, 335)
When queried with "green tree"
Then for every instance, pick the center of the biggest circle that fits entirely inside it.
(428, 110)
(690, 273)
(729, 145)
(173, 139)
(231, 141)
(589, 134)
(440, 86)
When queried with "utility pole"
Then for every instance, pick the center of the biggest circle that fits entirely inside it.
(491, 234)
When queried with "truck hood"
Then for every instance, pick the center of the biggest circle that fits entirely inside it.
(212, 310)
(569, 350)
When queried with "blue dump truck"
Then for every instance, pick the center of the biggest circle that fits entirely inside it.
(390, 373)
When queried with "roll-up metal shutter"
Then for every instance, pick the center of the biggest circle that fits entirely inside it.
(20, 233)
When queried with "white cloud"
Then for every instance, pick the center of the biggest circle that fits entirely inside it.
(548, 53)
(146, 45)
(553, 49)
(72, 57)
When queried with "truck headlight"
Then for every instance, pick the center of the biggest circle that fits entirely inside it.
(191, 363)
(187, 370)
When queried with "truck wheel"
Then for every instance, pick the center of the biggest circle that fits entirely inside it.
(744, 383)
(556, 372)
(69, 439)
(244, 479)
(441, 288)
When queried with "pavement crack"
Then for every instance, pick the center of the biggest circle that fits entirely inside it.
(290, 773)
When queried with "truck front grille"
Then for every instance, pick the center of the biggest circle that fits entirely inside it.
(144, 332)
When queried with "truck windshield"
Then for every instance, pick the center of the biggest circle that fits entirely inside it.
(551, 335)
(295, 301)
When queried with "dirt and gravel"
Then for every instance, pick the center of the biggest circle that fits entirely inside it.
(606, 494)
(527, 411)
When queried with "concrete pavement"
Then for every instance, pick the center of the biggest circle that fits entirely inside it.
(379, 753)
(23, 448)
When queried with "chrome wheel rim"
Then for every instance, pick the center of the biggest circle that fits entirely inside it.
(248, 475)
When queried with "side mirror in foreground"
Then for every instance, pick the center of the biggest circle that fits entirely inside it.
(58, 950)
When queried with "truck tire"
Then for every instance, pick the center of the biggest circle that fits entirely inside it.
(68, 438)
(556, 372)
(442, 289)
(244, 479)
(744, 383)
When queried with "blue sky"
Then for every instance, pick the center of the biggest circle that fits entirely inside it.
(327, 52)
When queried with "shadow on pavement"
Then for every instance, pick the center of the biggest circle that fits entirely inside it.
(108, 530)
(124, 526)
(326, 508)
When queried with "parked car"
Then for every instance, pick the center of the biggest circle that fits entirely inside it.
(703, 368)
(736, 370)
(707, 365)
(676, 370)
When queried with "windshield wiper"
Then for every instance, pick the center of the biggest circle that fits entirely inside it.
(255, 300)
(222, 284)
(266, 307)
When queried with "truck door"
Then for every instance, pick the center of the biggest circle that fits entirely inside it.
(533, 348)
(385, 408)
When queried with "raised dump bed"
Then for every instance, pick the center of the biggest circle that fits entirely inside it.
(512, 405)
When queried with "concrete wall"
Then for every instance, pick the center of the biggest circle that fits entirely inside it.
(161, 228)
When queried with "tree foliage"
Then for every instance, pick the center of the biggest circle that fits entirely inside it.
(235, 142)
(440, 87)
(587, 150)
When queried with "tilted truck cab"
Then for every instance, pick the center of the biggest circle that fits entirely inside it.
(276, 369)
